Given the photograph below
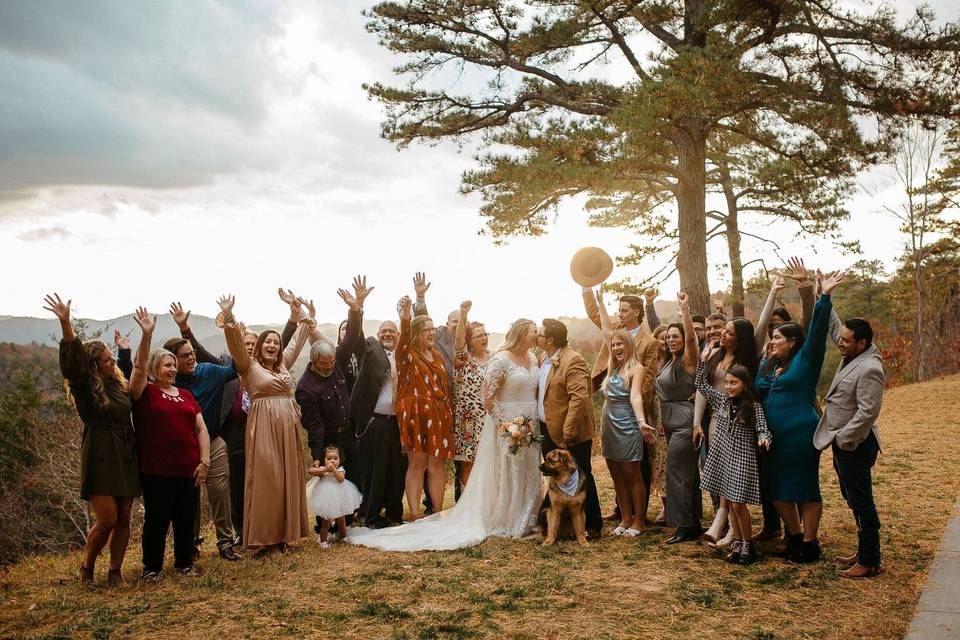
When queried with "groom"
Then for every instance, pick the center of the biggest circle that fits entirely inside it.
(565, 410)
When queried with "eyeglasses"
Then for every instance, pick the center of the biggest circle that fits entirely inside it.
(480, 335)
(188, 355)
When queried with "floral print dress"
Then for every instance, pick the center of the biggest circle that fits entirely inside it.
(423, 400)
(468, 411)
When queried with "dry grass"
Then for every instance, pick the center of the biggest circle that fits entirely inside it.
(613, 589)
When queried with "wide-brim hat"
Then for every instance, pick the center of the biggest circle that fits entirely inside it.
(590, 266)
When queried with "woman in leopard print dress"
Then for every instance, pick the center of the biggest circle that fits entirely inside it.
(470, 361)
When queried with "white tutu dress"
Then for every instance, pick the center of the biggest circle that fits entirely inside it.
(330, 499)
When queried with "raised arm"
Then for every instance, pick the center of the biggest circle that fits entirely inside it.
(420, 287)
(590, 306)
(351, 341)
(690, 348)
(606, 325)
(138, 377)
(182, 317)
(797, 271)
(760, 330)
(460, 337)
(124, 358)
(291, 299)
(815, 345)
(234, 335)
(650, 309)
(61, 309)
(305, 329)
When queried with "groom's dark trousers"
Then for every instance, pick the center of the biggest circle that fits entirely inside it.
(582, 455)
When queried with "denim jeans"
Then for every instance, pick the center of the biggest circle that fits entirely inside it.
(853, 471)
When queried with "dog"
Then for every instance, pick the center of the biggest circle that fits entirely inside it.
(561, 514)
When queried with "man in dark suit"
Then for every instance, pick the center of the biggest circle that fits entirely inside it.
(373, 410)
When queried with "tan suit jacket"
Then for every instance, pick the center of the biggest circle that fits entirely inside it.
(566, 401)
(647, 349)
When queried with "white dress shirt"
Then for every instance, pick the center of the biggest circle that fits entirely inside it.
(385, 401)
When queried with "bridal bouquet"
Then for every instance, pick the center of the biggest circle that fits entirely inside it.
(520, 432)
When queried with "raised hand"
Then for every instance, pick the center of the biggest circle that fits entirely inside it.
(120, 340)
(57, 306)
(311, 310)
(179, 315)
(347, 297)
(292, 300)
(796, 270)
(599, 295)
(718, 305)
(778, 284)
(650, 294)
(403, 307)
(360, 290)
(683, 300)
(420, 284)
(145, 320)
(465, 307)
(831, 280)
(242, 328)
(226, 303)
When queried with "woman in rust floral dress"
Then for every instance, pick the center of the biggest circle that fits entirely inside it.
(423, 409)
(470, 342)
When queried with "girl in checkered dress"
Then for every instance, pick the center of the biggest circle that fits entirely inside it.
(731, 468)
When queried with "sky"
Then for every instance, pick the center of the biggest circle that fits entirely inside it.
(161, 151)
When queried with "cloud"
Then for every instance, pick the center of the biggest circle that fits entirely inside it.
(44, 233)
(158, 95)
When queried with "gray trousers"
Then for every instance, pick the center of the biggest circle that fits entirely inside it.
(684, 504)
(218, 494)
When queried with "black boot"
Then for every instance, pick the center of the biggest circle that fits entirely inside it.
(806, 552)
(794, 540)
(746, 555)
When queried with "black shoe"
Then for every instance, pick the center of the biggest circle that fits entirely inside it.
(746, 555)
(227, 552)
(379, 523)
(794, 540)
(735, 549)
(806, 552)
(685, 534)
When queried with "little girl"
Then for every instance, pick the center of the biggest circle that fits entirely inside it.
(330, 495)
(731, 468)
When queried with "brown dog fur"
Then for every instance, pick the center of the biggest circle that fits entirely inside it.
(562, 515)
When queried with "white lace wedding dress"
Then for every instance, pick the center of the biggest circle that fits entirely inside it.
(504, 491)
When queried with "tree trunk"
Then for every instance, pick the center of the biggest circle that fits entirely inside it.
(732, 225)
(690, 142)
(918, 337)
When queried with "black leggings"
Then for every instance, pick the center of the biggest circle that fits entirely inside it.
(167, 500)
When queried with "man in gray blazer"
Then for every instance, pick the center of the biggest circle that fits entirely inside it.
(849, 426)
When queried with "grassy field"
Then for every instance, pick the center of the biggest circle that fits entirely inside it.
(615, 588)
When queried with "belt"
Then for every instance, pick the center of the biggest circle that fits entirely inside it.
(385, 416)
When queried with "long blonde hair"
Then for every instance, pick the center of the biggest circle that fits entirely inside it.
(515, 334)
(629, 356)
(94, 381)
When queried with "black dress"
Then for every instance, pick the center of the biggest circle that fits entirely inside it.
(108, 454)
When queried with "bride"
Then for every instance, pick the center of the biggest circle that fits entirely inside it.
(505, 489)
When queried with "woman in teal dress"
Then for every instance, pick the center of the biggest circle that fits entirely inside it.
(787, 383)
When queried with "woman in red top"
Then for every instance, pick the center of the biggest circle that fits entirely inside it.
(174, 453)
(423, 409)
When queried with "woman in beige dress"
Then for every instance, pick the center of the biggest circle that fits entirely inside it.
(275, 498)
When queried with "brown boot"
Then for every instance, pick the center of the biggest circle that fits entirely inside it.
(845, 561)
(859, 572)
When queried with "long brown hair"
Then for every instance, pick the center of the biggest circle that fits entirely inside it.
(258, 351)
(97, 384)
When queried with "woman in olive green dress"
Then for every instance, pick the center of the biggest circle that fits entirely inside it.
(109, 478)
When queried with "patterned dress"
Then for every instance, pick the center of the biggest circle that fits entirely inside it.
(468, 411)
(423, 400)
(731, 468)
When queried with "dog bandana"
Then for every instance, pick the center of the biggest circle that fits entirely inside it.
(570, 486)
